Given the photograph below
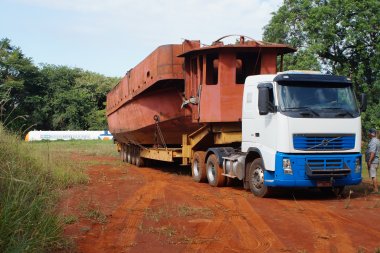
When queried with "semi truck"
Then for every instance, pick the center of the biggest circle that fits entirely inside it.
(232, 113)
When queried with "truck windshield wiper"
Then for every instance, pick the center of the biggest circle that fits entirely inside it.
(302, 108)
(345, 111)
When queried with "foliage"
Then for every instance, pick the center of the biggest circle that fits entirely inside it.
(49, 97)
(18, 79)
(31, 177)
(27, 222)
(341, 35)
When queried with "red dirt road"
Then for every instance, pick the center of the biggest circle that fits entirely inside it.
(130, 209)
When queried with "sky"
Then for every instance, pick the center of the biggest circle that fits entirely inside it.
(110, 37)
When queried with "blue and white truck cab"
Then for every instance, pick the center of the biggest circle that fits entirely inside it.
(299, 129)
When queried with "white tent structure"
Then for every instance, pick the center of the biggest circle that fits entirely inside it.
(68, 135)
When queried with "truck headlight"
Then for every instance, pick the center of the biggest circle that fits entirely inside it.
(287, 166)
(358, 165)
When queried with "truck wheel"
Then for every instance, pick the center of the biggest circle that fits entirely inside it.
(214, 172)
(256, 178)
(198, 167)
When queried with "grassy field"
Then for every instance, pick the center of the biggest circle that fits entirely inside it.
(31, 177)
(27, 197)
(88, 147)
(58, 157)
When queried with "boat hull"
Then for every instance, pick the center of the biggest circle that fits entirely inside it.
(137, 120)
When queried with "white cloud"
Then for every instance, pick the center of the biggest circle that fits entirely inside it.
(165, 18)
(131, 29)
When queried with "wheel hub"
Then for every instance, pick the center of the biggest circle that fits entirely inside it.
(258, 178)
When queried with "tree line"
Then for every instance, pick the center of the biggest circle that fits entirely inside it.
(49, 97)
(333, 36)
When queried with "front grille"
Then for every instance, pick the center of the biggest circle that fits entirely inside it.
(326, 167)
(323, 142)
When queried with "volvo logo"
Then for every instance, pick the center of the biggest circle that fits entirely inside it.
(325, 142)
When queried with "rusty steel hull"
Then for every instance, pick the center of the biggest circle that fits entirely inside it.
(152, 88)
(134, 121)
(186, 86)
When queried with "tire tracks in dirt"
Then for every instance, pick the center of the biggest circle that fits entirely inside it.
(126, 218)
(326, 230)
(223, 220)
(244, 223)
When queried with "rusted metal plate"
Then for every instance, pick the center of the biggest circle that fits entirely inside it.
(216, 76)
(161, 65)
(135, 120)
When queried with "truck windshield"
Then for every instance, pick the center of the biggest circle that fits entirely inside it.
(317, 100)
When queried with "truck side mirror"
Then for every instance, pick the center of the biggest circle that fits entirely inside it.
(363, 102)
(263, 101)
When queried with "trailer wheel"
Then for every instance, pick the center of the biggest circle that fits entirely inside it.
(214, 172)
(133, 155)
(198, 167)
(129, 154)
(139, 159)
(256, 178)
(123, 153)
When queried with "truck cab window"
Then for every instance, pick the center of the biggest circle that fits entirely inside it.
(266, 98)
(334, 100)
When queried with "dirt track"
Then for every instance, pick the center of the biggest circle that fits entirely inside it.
(130, 209)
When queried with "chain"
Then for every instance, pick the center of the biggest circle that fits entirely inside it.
(158, 130)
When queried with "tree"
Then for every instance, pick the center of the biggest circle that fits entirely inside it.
(19, 83)
(342, 35)
(99, 86)
(49, 97)
(74, 99)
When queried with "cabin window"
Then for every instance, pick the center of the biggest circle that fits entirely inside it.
(212, 67)
(194, 70)
(246, 65)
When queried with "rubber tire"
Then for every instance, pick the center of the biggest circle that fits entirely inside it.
(129, 154)
(256, 178)
(139, 159)
(123, 153)
(214, 172)
(133, 155)
(198, 167)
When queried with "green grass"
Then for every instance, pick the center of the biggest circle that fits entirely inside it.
(31, 177)
(63, 158)
(87, 147)
(186, 210)
(96, 216)
(27, 200)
